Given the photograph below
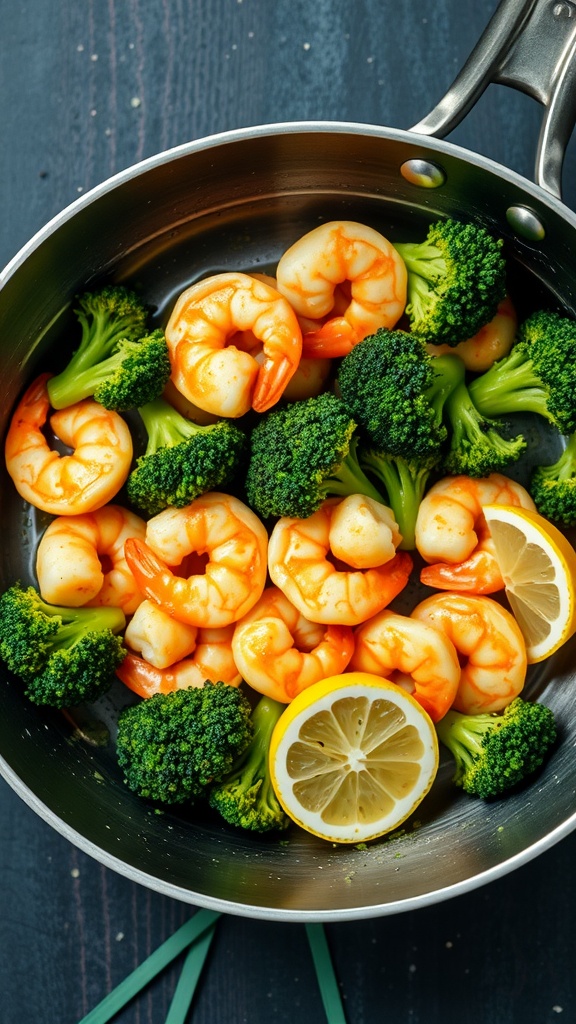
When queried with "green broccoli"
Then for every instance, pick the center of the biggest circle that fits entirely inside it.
(538, 374)
(302, 454)
(404, 482)
(475, 445)
(397, 392)
(117, 361)
(456, 278)
(245, 797)
(173, 746)
(418, 407)
(182, 459)
(494, 752)
(553, 487)
(65, 656)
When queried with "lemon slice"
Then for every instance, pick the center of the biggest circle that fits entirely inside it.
(538, 566)
(352, 756)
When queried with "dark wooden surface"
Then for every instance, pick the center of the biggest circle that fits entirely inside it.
(87, 88)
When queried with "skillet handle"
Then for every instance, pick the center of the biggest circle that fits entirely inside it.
(528, 45)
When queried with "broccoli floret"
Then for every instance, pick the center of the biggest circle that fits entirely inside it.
(117, 361)
(404, 482)
(538, 375)
(396, 392)
(494, 752)
(302, 454)
(553, 487)
(456, 278)
(182, 459)
(475, 445)
(173, 746)
(245, 797)
(65, 656)
(134, 375)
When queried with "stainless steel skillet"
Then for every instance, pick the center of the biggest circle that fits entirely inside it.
(237, 200)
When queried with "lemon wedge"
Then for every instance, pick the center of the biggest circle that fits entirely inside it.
(538, 566)
(352, 756)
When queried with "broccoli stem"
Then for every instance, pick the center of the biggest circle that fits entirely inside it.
(252, 765)
(475, 434)
(351, 478)
(422, 259)
(100, 333)
(510, 385)
(463, 735)
(449, 374)
(405, 484)
(565, 466)
(78, 621)
(166, 426)
(76, 383)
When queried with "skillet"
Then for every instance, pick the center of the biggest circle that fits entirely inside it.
(245, 196)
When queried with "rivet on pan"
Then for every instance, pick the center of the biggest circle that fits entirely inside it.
(563, 10)
(525, 223)
(423, 173)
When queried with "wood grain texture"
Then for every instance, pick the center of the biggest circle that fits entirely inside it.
(87, 89)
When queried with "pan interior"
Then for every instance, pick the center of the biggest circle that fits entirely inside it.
(237, 206)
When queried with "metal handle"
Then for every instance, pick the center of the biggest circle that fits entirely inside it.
(528, 45)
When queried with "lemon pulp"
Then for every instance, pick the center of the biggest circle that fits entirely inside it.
(538, 566)
(352, 756)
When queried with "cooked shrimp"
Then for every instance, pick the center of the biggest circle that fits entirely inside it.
(186, 407)
(315, 271)
(492, 342)
(413, 654)
(235, 542)
(299, 564)
(490, 646)
(67, 484)
(160, 639)
(80, 559)
(212, 660)
(451, 531)
(363, 532)
(312, 372)
(279, 652)
(209, 367)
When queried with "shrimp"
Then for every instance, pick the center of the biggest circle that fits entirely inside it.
(211, 660)
(235, 542)
(160, 639)
(280, 653)
(451, 532)
(312, 372)
(209, 367)
(80, 559)
(491, 342)
(413, 654)
(299, 565)
(315, 272)
(490, 647)
(67, 484)
(363, 532)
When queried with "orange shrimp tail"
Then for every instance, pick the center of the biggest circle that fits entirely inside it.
(437, 706)
(397, 573)
(477, 575)
(149, 571)
(340, 640)
(334, 339)
(142, 678)
(271, 383)
(31, 412)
